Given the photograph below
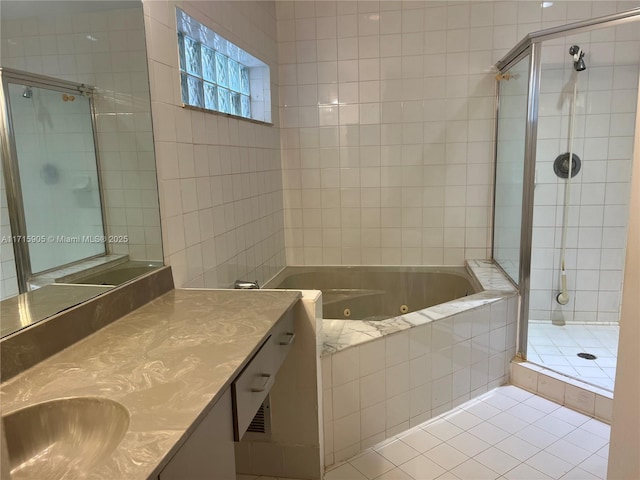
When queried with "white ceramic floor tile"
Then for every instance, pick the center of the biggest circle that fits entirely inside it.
(536, 451)
(344, 472)
(372, 464)
(421, 440)
(463, 419)
(397, 452)
(587, 440)
(603, 452)
(526, 413)
(570, 416)
(518, 448)
(489, 433)
(443, 430)
(579, 474)
(421, 468)
(482, 410)
(555, 426)
(446, 456)
(597, 428)
(468, 444)
(549, 464)
(395, 474)
(508, 422)
(497, 460)
(536, 436)
(595, 465)
(515, 393)
(556, 347)
(501, 402)
(525, 472)
(448, 476)
(568, 451)
(472, 469)
(541, 404)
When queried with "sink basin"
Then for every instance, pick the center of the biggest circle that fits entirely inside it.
(63, 438)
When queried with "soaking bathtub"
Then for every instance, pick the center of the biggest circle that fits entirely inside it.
(378, 293)
(427, 339)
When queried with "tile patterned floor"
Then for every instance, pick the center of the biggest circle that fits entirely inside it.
(507, 433)
(556, 347)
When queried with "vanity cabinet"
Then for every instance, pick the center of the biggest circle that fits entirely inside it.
(208, 453)
(253, 384)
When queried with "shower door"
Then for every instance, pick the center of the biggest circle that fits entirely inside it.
(51, 175)
(510, 158)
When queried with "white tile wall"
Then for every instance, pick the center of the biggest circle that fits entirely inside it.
(387, 118)
(380, 388)
(596, 238)
(220, 178)
(8, 276)
(105, 49)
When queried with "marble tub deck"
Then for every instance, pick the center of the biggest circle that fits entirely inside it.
(341, 334)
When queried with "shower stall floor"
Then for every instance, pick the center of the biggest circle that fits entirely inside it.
(557, 348)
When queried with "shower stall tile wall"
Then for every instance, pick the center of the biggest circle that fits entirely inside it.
(387, 114)
(220, 178)
(600, 192)
(105, 49)
(380, 388)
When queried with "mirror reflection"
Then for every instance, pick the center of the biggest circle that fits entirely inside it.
(78, 193)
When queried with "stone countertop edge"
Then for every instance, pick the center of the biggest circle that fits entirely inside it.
(167, 362)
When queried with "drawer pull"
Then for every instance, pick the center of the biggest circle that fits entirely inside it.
(267, 378)
(291, 336)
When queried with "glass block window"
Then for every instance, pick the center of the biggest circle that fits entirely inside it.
(212, 80)
(218, 75)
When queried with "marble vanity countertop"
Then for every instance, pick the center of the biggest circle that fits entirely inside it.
(166, 362)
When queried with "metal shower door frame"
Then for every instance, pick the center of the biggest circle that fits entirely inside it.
(10, 168)
(532, 45)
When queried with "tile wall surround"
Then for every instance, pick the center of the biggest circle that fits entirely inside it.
(599, 205)
(387, 124)
(220, 178)
(106, 50)
(395, 377)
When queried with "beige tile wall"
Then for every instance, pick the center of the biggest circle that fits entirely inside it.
(220, 178)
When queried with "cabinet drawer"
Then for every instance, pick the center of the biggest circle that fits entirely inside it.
(283, 337)
(252, 386)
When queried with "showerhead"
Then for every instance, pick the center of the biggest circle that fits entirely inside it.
(27, 93)
(578, 58)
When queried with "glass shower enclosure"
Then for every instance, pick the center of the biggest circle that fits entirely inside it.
(50, 169)
(553, 229)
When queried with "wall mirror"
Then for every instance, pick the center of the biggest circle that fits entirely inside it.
(78, 194)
